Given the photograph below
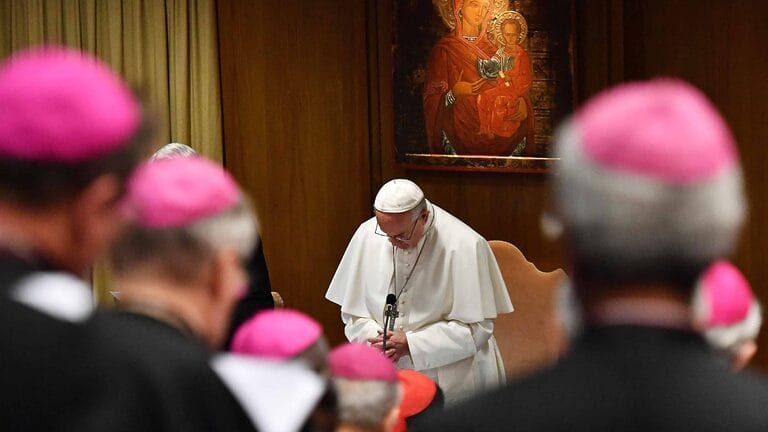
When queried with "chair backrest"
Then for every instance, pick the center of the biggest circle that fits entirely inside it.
(530, 337)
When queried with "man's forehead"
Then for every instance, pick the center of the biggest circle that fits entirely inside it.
(401, 220)
(392, 216)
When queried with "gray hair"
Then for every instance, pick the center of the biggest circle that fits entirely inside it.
(568, 309)
(366, 403)
(237, 228)
(416, 211)
(628, 225)
(173, 151)
(180, 252)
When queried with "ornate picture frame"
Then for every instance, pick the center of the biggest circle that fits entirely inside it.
(480, 88)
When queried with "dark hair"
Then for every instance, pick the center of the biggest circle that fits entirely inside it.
(39, 185)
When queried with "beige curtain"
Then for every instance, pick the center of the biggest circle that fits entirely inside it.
(166, 49)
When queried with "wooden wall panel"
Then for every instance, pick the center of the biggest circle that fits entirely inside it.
(295, 95)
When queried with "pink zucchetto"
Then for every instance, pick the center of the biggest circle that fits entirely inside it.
(648, 171)
(62, 105)
(361, 362)
(172, 193)
(726, 293)
(683, 139)
(279, 334)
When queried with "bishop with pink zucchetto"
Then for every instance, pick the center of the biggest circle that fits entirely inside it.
(649, 192)
(727, 312)
(71, 132)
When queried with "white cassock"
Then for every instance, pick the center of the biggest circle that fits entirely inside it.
(446, 308)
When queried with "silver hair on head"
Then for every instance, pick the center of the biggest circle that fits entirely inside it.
(568, 309)
(416, 212)
(636, 220)
(236, 228)
(173, 151)
(366, 403)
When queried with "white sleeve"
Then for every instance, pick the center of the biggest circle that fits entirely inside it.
(447, 342)
(359, 329)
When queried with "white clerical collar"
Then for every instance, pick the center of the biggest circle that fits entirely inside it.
(277, 396)
(60, 295)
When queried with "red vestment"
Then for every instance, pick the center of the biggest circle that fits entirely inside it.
(497, 104)
(454, 59)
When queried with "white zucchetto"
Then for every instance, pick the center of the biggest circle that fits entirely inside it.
(398, 196)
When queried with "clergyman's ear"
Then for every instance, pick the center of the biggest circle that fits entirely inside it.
(95, 219)
(228, 274)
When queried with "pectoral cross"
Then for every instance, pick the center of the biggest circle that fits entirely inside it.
(393, 314)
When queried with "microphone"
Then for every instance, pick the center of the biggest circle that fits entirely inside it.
(389, 320)
(392, 308)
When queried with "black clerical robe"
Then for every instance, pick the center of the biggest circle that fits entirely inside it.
(623, 378)
(258, 296)
(187, 395)
(53, 376)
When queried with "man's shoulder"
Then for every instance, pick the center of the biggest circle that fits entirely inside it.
(364, 235)
(454, 230)
(145, 341)
(174, 368)
(581, 397)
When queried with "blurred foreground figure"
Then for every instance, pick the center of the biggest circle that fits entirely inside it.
(290, 336)
(649, 192)
(70, 134)
(728, 313)
(367, 386)
(259, 294)
(283, 334)
(179, 269)
(421, 397)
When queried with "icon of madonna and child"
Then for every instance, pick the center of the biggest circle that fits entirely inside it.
(478, 78)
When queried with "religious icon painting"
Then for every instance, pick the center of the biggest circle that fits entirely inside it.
(480, 84)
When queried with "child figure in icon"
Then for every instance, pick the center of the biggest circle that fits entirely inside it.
(505, 110)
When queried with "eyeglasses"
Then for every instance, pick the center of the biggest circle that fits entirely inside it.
(400, 237)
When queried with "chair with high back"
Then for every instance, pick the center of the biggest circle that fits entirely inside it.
(529, 338)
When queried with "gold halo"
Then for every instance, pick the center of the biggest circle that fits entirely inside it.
(500, 19)
(445, 10)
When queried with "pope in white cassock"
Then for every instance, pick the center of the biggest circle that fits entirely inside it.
(446, 285)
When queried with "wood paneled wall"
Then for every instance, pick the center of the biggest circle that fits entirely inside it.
(307, 123)
(295, 95)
